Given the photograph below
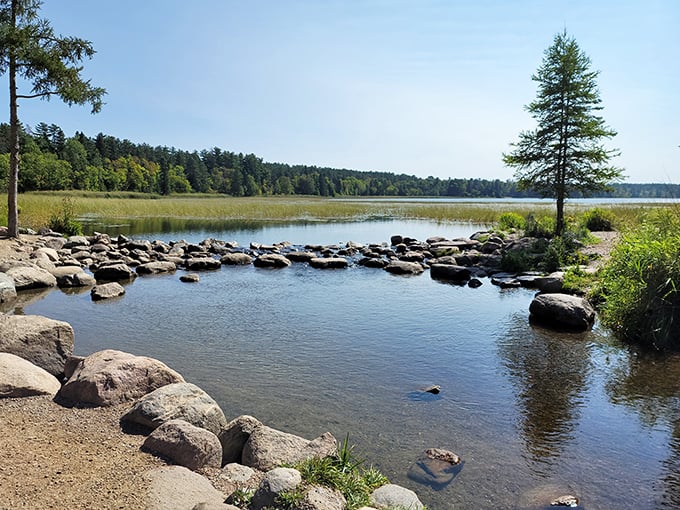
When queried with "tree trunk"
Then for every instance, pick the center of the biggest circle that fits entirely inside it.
(559, 223)
(12, 186)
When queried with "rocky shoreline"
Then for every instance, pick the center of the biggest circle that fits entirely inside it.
(213, 458)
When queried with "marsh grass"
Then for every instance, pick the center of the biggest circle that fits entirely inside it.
(36, 209)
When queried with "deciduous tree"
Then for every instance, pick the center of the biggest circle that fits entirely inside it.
(564, 154)
(50, 64)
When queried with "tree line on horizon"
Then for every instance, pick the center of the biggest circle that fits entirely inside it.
(52, 161)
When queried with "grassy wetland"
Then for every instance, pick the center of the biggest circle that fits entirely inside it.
(36, 209)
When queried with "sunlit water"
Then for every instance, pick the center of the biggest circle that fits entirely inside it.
(534, 414)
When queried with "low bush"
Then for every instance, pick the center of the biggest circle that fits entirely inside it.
(598, 220)
(539, 226)
(639, 288)
(510, 221)
(64, 221)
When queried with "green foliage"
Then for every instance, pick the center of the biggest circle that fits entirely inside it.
(510, 221)
(241, 498)
(577, 281)
(518, 261)
(539, 226)
(639, 288)
(598, 220)
(343, 472)
(562, 251)
(65, 221)
(563, 154)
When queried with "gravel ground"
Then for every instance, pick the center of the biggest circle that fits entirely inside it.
(58, 457)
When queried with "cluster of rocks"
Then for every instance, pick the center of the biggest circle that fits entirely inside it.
(57, 261)
(184, 424)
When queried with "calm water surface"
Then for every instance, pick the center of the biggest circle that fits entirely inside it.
(533, 413)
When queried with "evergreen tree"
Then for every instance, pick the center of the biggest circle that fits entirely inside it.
(563, 155)
(29, 49)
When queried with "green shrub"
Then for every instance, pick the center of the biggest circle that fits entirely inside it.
(638, 293)
(539, 226)
(517, 261)
(65, 221)
(598, 220)
(511, 221)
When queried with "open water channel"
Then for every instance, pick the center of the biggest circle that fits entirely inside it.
(533, 413)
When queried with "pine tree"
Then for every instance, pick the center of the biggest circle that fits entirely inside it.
(564, 153)
(29, 49)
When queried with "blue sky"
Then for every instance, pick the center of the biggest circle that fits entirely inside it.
(420, 87)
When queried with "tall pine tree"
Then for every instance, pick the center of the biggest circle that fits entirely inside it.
(30, 50)
(564, 153)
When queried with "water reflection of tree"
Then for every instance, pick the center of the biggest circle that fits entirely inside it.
(549, 371)
(650, 384)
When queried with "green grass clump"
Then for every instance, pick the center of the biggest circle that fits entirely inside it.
(511, 221)
(343, 472)
(64, 221)
(639, 288)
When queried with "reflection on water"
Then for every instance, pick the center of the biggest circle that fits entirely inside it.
(650, 384)
(549, 371)
(533, 414)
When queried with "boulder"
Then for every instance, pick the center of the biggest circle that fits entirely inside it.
(236, 259)
(403, 267)
(44, 342)
(267, 448)
(271, 260)
(202, 264)
(189, 278)
(562, 311)
(449, 273)
(156, 267)
(301, 256)
(107, 291)
(328, 263)
(183, 401)
(436, 468)
(234, 436)
(76, 241)
(378, 263)
(185, 444)
(111, 377)
(114, 273)
(275, 482)
(72, 276)
(394, 496)
(49, 253)
(552, 283)
(237, 473)
(176, 487)
(31, 277)
(8, 291)
(322, 498)
(21, 378)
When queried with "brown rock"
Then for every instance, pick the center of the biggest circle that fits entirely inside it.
(21, 378)
(185, 444)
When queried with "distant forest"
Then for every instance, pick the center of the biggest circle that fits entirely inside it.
(51, 161)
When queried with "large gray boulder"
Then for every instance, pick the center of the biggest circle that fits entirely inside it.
(403, 267)
(107, 291)
(394, 496)
(202, 264)
(8, 291)
(156, 267)
(267, 448)
(72, 276)
(271, 260)
(322, 498)
(236, 259)
(328, 262)
(111, 377)
(185, 444)
(551, 283)
(233, 437)
(179, 488)
(21, 378)
(44, 342)
(449, 272)
(114, 273)
(182, 400)
(275, 482)
(562, 311)
(31, 277)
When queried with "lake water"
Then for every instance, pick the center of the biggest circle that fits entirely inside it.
(533, 413)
